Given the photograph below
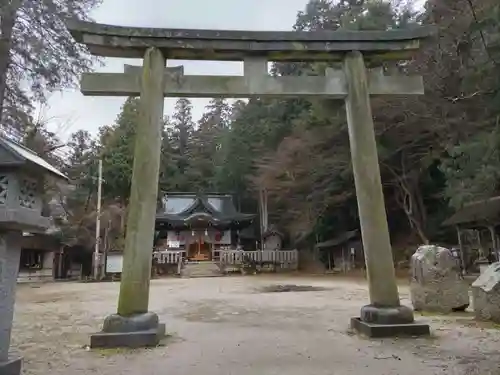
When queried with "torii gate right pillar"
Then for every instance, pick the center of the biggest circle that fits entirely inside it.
(384, 316)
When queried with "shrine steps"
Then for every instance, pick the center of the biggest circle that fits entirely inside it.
(201, 269)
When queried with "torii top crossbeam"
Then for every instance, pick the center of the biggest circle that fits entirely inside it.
(185, 44)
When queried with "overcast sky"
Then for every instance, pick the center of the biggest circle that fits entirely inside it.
(69, 111)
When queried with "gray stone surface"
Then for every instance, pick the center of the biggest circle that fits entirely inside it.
(22, 175)
(369, 193)
(20, 201)
(136, 331)
(117, 41)
(387, 315)
(140, 322)
(224, 325)
(486, 294)
(23, 219)
(376, 322)
(136, 272)
(436, 283)
(137, 339)
(373, 330)
(81, 27)
(333, 87)
(201, 269)
(175, 71)
(11, 366)
(10, 251)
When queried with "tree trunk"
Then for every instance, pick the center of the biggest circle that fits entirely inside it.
(415, 210)
(7, 22)
(420, 214)
(420, 232)
(409, 199)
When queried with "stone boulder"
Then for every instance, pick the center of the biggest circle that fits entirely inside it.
(437, 283)
(486, 294)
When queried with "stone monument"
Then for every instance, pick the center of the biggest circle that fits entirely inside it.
(22, 175)
(362, 54)
(486, 294)
(437, 283)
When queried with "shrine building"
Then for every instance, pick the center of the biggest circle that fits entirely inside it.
(199, 224)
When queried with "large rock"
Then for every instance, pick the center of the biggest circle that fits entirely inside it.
(486, 294)
(436, 283)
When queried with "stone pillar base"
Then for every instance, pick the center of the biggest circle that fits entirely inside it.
(136, 331)
(377, 322)
(12, 366)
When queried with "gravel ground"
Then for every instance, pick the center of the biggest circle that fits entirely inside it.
(228, 325)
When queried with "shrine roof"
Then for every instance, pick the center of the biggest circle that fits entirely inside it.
(235, 45)
(272, 231)
(339, 240)
(486, 211)
(202, 209)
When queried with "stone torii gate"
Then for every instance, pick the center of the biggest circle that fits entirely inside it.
(133, 325)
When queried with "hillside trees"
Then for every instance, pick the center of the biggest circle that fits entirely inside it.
(309, 174)
(306, 169)
(435, 150)
(472, 162)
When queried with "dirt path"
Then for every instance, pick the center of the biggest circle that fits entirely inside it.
(228, 326)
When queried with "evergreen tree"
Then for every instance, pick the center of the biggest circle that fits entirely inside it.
(37, 53)
(177, 147)
(183, 128)
(81, 166)
(117, 144)
(207, 153)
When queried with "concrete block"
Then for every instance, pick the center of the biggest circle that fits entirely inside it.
(136, 339)
(373, 330)
(12, 366)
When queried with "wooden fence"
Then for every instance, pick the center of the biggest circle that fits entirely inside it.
(169, 256)
(282, 258)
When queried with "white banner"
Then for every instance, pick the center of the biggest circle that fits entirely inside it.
(173, 244)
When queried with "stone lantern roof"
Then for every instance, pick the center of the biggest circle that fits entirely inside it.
(12, 154)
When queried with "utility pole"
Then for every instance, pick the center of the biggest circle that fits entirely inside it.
(264, 217)
(98, 223)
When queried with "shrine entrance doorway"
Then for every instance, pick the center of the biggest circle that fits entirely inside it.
(199, 250)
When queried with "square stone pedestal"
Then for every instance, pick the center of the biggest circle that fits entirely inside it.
(12, 366)
(388, 321)
(136, 331)
(374, 330)
(134, 339)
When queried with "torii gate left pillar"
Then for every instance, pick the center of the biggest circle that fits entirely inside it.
(134, 325)
(384, 315)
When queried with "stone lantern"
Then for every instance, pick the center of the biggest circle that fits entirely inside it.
(22, 177)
